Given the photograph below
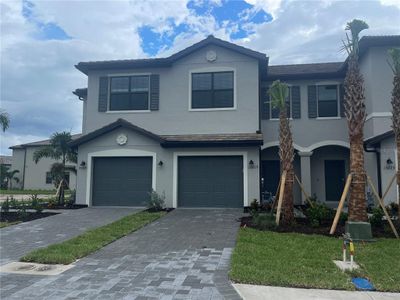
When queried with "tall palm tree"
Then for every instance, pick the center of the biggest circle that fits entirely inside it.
(58, 149)
(279, 93)
(395, 65)
(4, 120)
(355, 113)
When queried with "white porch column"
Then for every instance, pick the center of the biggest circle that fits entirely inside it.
(305, 167)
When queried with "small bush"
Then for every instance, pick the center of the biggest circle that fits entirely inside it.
(22, 211)
(156, 202)
(393, 208)
(376, 218)
(35, 204)
(264, 221)
(13, 203)
(254, 207)
(318, 213)
(5, 207)
(52, 202)
(72, 199)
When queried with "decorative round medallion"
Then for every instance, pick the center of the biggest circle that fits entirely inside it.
(122, 139)
(211, 55)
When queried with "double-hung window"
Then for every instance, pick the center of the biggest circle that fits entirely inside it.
(129, 93)
(275, 111)
(212, 90)
(328, 103)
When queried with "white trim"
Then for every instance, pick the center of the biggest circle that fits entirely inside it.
(116, 153)
(127, 111)
(311, 147)
(211, 153)
(212, 69)
(378, 115)
(328, 118)
(128, 74)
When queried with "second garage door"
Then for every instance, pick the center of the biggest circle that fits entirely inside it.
(210, 181)
(121, 181)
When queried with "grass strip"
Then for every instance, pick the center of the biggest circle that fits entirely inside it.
(298, 260)
(31, 192)
(6, 224)
(91, 241)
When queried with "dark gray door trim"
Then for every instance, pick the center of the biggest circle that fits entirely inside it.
(115, 153)
(210, 153)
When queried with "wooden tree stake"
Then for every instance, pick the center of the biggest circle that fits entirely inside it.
(383, 206)
(281, 191)
(341, 203)
(388, 187)
(276, 196)
(304, 192)
(58, 189)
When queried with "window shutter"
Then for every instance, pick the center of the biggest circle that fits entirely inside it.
(154, 92)
(103, 94)
(265, 106)
(296, 106)
(341, 99)
(312, 101)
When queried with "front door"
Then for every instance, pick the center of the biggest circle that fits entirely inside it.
(334, 179)
(270, 177)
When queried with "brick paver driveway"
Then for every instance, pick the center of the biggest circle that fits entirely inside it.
(184, 255)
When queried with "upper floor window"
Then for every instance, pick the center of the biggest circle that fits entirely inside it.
(129, 93)
(212, 90)
(327, 99)
(275, 110)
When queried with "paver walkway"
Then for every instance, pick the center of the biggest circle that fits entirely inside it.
(17, 240)
(184, 255)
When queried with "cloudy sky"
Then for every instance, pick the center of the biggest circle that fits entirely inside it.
(41, 41)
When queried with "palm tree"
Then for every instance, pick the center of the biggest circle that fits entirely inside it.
(10, 176)
(58, 149)
(355, 114)
(395, 65)
(4, 120)
(279, 93)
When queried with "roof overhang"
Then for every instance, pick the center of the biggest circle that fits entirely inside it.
(378, 138)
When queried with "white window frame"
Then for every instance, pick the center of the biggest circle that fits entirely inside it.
(337, 98)
(210, 153)
(208, 70)
(110, 76)
(290, 105)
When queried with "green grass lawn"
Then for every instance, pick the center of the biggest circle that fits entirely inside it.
(90, 241)
(6, 224)
(31, 192)
(297, 260)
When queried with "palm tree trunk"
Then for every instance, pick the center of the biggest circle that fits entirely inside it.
(286, 154)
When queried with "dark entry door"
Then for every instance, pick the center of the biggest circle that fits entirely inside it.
(121, 181)
(270, 175)
(334, 179)
(210, 181)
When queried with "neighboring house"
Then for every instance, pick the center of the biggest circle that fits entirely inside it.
(199, 127)
(32, 175)
(5, 163)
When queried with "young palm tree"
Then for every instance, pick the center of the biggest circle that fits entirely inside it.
(395, 65)
(279, 93)
(4, 120)
(10, 177)
(58, 149)
(355, 113)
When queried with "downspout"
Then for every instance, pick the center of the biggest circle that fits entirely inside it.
(377, 151)
(23, 173)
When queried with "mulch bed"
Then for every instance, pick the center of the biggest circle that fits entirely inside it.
(73, 206)
(14, 216)
(302, 226)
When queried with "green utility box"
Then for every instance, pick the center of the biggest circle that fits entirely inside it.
(359, 231)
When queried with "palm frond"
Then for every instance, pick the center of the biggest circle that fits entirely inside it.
(355, 27)
(279, 92)
(70, 169)
(4, 120)
(394, 64)
(45, 152)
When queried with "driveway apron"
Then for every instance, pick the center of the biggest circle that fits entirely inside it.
(184, 255)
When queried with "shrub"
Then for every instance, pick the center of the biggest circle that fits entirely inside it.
(254, 207)
(393, 208)
(72, 198)
(156, 202)
(35, 204)
(13, 203)
(376, 218)
(22, 211)
(318, 213)
(5, 207)
(264, 221)
(52, 202)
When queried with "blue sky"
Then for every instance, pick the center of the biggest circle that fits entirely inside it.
(41, 41)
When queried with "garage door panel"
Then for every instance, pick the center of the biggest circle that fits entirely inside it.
(121, 181)
(210, 181)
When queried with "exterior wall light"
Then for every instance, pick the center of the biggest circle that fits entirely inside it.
(389, 164)
(82, 165)
(251, 164)
(160, 163)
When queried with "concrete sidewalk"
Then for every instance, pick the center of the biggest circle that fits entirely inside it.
(256, 292)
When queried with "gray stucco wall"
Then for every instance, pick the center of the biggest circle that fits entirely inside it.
(388, 151)
(35, 174)
(164, 176)
(174, 116)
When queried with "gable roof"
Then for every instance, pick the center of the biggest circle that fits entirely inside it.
(41, 143)
(378, 138)
(187, 140)
(81, 93)
(85, 67)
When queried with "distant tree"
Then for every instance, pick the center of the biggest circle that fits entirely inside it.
(10, 177)
(4, 120)
(279, 93)
(395, 65)
(58, 149)
(354, 103)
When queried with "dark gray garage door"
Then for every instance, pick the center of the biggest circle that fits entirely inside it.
(121, 181)
(210, 181)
